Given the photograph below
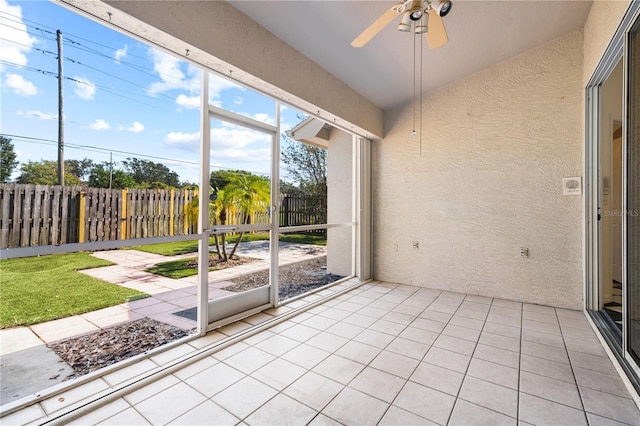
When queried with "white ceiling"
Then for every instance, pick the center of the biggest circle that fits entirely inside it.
(481, 33)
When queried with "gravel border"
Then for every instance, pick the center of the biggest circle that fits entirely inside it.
(294, 278)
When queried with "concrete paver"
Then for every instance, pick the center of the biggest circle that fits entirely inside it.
(28, 366)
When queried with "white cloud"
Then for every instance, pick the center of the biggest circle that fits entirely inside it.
(265, 118)
(121, 54)
(238, 100)
(186, 141)
(241, 155)
(236, 137)
(84, 89)
(136, 127)
(171, 75)
(189, 102)
(230, 136)
(19, 85)
(175, 74)
(15, 41)
(99, 124)
(37, 114)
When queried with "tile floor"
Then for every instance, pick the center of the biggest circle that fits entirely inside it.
(381, 354)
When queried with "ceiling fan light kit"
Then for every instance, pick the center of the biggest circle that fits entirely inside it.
(425, 17)
(415, 14)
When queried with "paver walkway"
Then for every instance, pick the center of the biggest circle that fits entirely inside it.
(167, 296)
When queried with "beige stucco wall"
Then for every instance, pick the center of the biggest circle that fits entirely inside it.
(601, 24)
(495, 147)
(339, 202)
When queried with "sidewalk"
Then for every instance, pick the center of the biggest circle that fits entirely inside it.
(28, 366)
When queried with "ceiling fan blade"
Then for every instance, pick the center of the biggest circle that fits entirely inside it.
(377, 26)
(436, 34)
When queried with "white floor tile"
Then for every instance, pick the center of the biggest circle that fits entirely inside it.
(490, 395)
(536, 410)
(466, 413)
(358, 352)
(313, 390)
(438, 378)
(214, 379)
(447, 359)
(279, 373)
(281, 410)
(340, 369)
(305, 356)
(396, 364)
(425, 402)
(377, 383)
(397, 416)
(244, 397)
(352, 407)
(207, 413)
(169, 404)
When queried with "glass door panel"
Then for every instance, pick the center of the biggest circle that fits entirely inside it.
(316, 209)
(309, 260)
(240, 219)
(633, 196)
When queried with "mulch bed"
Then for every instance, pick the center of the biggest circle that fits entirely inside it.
(216, 264)
(295, 278)
(110, 345)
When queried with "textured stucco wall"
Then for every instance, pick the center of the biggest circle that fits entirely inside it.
(495, 147)
(339, 202)
(601, 24)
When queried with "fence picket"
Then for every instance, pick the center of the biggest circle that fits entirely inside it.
(32, 215)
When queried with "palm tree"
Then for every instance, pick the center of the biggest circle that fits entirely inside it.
(223, 204)
(247, 195)
(252, 195)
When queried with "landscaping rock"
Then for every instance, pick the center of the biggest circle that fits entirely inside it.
(110, 345)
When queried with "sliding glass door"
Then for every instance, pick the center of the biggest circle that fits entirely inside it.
(613, 195)
(633, 195)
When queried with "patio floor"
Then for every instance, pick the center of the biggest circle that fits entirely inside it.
(380, 354)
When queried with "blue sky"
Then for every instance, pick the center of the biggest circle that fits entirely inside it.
(121, 97)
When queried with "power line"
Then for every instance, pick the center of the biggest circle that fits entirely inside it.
(78, 45)
(42, 141)
(109, 90)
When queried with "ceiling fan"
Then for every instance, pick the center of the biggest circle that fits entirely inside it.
(426, 14)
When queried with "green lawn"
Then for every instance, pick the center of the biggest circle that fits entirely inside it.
(44, 288)
(183, 247)
(174, 269)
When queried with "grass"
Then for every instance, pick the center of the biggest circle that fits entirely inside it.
(183, 247)
(174, 269)
(179, 269)
(44, 288)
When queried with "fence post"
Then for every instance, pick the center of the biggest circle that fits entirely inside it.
(123, 218)
(172, 198)
(81, 217)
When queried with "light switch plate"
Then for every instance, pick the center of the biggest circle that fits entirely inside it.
(572, 185)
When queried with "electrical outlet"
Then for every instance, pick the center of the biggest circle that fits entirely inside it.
(416, 245)
(524, 252)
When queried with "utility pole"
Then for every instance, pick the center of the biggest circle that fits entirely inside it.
(110, 169)
(60, 112)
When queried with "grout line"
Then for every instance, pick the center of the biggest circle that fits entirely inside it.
(584, 411)
(520, 361)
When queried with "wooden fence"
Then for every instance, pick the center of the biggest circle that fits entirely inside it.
(299, 210)
(35, 215)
